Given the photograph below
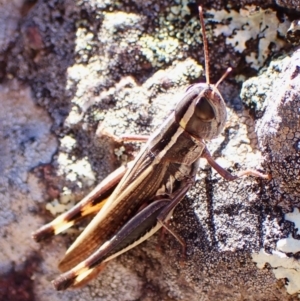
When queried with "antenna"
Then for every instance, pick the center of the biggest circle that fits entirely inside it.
(206, 57)
(229, 69)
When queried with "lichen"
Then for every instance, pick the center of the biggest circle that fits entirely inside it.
(284, 266)
(248, 24)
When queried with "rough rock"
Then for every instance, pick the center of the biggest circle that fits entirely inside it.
(72, 69)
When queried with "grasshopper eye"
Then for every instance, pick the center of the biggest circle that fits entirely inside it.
(203, 110)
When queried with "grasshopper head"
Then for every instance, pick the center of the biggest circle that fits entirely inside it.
(202, 111)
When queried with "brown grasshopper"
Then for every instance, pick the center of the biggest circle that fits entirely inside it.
(136, 201)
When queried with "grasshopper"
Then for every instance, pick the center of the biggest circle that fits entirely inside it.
(136, 200)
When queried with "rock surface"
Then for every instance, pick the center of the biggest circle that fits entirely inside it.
(71, 69)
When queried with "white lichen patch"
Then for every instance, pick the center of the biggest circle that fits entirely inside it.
(74, 116)
(288, 245)
(67, 143)
(294, 217)
(119, 152)
(84, 43)
(83, 77)
(66, 196)
(120, 21)
(76, 171)
(55, 207)
(66, 201)
(284, 266)
(250, 23)
(76, 73)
